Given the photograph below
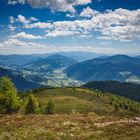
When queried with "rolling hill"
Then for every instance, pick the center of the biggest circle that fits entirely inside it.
(118, 68)
(20, 82)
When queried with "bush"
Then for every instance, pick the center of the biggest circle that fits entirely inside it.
(49, 108)
(9, 101)
(2, 103)
(32, 104)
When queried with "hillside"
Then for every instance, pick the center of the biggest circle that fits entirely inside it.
(69, 100)
(83, 100)
(10, 60)
(138, 56)
(128, 90)
(79, 115)
(20, 82)
(118, 68)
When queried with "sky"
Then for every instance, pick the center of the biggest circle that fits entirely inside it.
(48, 26)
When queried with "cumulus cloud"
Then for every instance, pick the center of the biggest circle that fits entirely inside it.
(88, 12)
(16, 43)
(120, 24)
(22, 19)
(23, 35)
(39, 25)
(33, 19)
(11, 19)
(13, 45)
(72, 15)
(54, 5)
(61, 33)
(12, 28)
(12, 42)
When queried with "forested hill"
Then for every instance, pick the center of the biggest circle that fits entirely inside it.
(129, 90)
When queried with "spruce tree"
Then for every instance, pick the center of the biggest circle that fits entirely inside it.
(9, 97)
(49, 108)
(32, 105)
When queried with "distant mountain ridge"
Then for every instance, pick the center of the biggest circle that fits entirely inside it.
(54, 61)
(118, 68)
(17, 59)
(51, 63)
(81, 55)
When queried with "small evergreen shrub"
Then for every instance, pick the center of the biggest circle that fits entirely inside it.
(32, 105)
(49, 109)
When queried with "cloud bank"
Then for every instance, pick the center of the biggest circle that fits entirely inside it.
(54, 5)
(120, 24)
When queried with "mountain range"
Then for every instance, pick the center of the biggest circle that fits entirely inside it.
(67, 70)
(118, 67)
(55, 61)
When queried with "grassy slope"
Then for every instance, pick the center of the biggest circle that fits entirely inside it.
(97, 119)
(68, 100)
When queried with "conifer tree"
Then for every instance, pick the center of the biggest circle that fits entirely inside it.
(32, 105)
(49, 108)
(9, 98)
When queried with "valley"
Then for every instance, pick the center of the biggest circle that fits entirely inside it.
(57, 70)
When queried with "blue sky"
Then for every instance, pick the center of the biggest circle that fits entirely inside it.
(45, 26)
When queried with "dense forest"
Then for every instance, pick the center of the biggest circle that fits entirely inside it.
(128, 90)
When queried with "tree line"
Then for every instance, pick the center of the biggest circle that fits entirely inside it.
(118, 102)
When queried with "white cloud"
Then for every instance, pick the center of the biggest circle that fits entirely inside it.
(23, 35)
(33, 19)
(22, 19)
(61, 33)
(16, 43)
(72, 15)
(11, 19)
(120, 24)
(12, 28)
(54, 5)
(15, 46)
(88, 12)
(40, 25)
(11, 43)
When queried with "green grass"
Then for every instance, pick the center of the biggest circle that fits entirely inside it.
(67, 100)
(80, 114)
